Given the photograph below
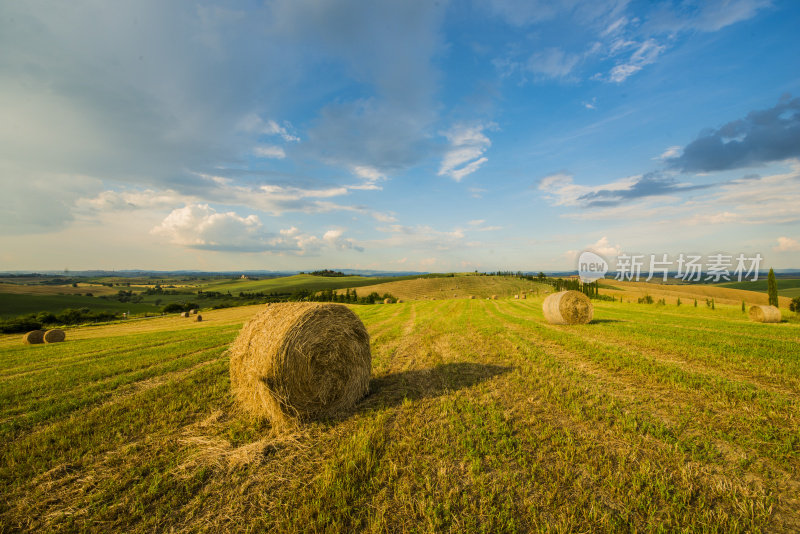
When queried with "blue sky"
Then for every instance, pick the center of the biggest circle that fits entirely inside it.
(396, 135)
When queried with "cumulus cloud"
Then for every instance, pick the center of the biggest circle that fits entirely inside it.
(202, 227)
(787, 244)
(336, 239)
(761, 137)
(199, 226)
(468, 143)
(604, 247)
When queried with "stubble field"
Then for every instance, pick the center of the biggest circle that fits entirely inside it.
(481, 417)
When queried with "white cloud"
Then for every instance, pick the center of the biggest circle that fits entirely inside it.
(476, 222)
(369, 176)
(269, 151)
(199, 226)
(646, 54)
(670, 152)
(604, 248)
(467, 146)
(252, 123)
(552, 63)
(787, 244)
(562, 191)
(335, 239)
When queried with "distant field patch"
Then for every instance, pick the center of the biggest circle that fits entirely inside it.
(12, 304)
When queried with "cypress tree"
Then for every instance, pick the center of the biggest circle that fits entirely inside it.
(772, 288)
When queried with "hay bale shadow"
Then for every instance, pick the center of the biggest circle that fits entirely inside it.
(394, 388)
(598, 321)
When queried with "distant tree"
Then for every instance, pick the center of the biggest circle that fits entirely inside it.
(794, 305)
(679, 301)
(772, 288)
(712, 305)
(695, 303)
(743, 307)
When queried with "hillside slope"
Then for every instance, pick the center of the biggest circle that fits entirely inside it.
(458, 286)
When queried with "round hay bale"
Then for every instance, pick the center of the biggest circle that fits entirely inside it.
(300, 361)
(522, 296)
(471, 297)
(54, 335)
(567, 307)
(516, 296)
(494, 297)
(387, 301)
(199, 318)
(33, 337)
(192, 312)
(765, 314)
(399, 301)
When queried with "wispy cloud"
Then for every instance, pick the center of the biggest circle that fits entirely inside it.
(468, 144)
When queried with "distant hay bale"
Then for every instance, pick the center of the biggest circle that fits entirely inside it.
(399, 301)
(522, 296)
(199, 318)
(184, 314)
(296, 361)
(471, 297)
(516, 296)
(765, 314)
(567, 307)
(192, 312)
(54, 335)
(33, 337)
(387, 301)
(494, 297)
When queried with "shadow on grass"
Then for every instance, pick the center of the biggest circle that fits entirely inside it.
(599, 321)
(392, 389)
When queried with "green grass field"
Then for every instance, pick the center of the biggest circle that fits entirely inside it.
(290, 284)
(12, 304)
(481, 418)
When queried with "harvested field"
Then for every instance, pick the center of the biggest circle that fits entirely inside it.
(481, 416)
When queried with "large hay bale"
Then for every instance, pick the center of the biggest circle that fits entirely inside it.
(300, 361)
(494, 297)
(192, 312)
(184, 314)
(199, 318)
(54, 335)
(567, 307)
(765, 314)
(387, 301)
(399, 301)
(33, 337)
